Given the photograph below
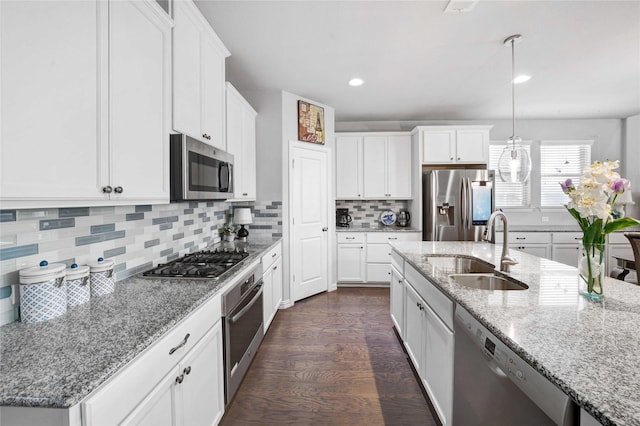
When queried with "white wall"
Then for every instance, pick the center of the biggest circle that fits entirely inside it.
(631, 160)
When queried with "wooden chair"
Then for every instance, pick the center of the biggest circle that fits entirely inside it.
(634, 239)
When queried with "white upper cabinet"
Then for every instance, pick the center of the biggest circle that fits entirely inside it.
(241, 142)
(198, 77)
(85, 96)
(454, 144)
(373, 166)
(139, 101)
(387, 166)
(349, 168)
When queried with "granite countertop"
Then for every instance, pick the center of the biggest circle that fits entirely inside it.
(590, 350)
(379, 228)
(57, 363)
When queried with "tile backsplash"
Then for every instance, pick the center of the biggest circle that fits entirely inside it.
(366, 214)
(135, 237)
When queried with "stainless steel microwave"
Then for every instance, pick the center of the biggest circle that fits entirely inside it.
(199, 171)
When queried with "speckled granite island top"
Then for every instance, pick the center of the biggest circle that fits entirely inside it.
(57, 363)
(590, 350)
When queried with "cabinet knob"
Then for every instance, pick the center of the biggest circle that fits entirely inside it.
(451, 158)
(180, 378)
(118, 190)
(244, 194)
(107, 189)
(187, 370)
(458, 158)
(325, 229)
(206, 136)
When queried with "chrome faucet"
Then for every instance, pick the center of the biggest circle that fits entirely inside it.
(505, 260)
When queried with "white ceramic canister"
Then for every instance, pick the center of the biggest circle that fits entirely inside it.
(78, 288)
(43, 292)
(102, 279)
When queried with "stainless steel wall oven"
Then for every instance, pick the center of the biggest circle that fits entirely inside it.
(242, 328)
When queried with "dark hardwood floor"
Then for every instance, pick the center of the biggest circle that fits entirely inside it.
(331, 359)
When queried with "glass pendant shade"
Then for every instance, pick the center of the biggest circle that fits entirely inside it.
(514, 164)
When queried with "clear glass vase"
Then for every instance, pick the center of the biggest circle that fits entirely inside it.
(591, 266)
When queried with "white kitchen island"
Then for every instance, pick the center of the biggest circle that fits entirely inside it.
(589, 350)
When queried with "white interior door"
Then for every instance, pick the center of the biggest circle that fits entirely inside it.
(309, 201)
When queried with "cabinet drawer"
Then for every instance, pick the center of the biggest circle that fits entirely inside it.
(141, 375)
(350, 237)
(397, 261)
(271, 256)
(525, 237)
(439, 303)
(386, 237)
(378, 272)
(566, 237)
(379, 253)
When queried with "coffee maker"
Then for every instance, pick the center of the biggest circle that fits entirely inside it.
(342, 218)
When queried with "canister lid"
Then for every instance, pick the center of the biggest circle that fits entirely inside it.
(76, 272)
(42, 273)
(101, 265)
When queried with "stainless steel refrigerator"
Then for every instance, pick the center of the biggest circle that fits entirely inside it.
(457, 203)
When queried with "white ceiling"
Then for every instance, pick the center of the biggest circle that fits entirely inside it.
(420, 63)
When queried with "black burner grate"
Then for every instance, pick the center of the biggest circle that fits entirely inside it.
(203, 264)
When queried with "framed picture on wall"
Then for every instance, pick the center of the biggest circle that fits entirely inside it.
(310, 123)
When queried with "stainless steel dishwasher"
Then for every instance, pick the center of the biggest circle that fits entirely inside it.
(493, 386)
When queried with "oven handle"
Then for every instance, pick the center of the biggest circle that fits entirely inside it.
(237, 316)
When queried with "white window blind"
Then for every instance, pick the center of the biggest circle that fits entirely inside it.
(508, 194)
(559, 161)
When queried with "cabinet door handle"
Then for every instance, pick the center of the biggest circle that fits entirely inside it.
(325, 229)
(392, 238)
(180, 378)
(244, 194)
(458, 158)
(107, 189)
(184, 342)
(451, 158)
(521, 238)
(577, 238)
(273, 255)
(187, 370)
(275, 267)
(118, 190)
(349, 238)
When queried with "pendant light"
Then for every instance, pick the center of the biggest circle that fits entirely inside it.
(514, 164)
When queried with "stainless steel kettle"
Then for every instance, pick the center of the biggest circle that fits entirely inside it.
(404, 218)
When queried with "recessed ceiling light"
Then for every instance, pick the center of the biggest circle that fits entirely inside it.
(356, 82)
(521, 78)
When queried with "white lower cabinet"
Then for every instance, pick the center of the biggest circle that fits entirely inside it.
(177, 381)
(429, 340)
(351, 257)
(190, 393)
(366, 256)
(438, 368)
(397, 300)
(271, 284)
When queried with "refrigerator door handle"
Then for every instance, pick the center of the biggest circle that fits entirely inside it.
(469, 204)
(463, 203)
(434, 205)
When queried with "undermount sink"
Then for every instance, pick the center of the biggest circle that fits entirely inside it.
(487, 282)
(460, 264)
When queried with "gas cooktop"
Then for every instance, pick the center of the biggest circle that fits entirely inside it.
(203, 264)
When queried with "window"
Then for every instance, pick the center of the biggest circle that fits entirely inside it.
(508, 194)
(559, 161)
